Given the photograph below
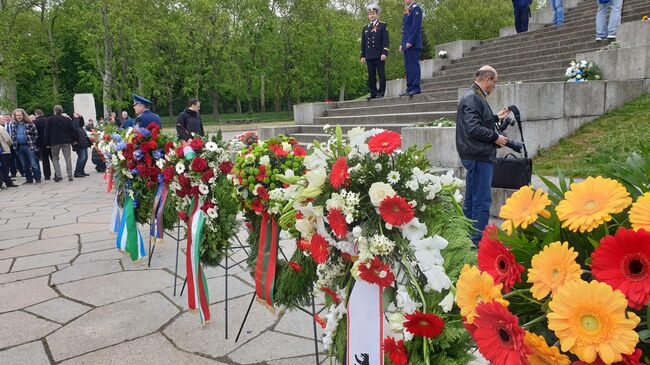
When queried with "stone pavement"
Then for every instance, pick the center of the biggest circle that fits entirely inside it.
(67, 296)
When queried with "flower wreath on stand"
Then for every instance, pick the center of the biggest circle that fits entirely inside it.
(206, 203)
(388, 237)
(262, 176)
(566, 280)
(136, 160)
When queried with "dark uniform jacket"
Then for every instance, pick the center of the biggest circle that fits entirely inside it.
(475, 127)
(412, 26)
(374, 41)
(189, 122)
(147, 117)
(40, 127)
(60, 130)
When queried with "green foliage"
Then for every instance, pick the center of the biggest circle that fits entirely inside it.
(597, 148)
(216, 238)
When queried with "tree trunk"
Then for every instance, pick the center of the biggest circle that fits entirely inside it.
(214, 101)
(262, 98)
(170, 106)
(249, 83)
(277, 107)
(238, 105)
(56, 96)
(107, 75)
(342, 93)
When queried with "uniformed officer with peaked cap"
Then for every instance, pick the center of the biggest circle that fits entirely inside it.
(145, 116)
(374, 50)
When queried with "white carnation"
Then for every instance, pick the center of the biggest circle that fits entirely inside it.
(180, 168)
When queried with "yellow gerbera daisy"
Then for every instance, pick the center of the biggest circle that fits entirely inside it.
(542, 353)
(551, 268)
(590, 203)
(474, 287)
(590, 320)
(523, 207)
(640, 213)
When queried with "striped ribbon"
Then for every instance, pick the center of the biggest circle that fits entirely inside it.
(267, 255)
(108, 177)
(129, 239)
(156, 222)
(197, 286)
(115, 216)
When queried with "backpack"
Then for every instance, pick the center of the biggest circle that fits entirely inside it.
(21, 136)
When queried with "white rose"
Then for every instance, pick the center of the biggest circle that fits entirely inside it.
(316, 177)
(396, 321)
(286, 146)
(265, 160)
(305, 227)
(380, 191)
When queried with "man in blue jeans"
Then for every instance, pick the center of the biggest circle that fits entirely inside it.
(605, 30)
(476, 142)
(558, 11)
(24, 136)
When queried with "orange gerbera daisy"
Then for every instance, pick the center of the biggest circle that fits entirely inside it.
(551, 268)
(542, 353)
(474, 287)
(523, 208)
(590, 203)
(640, 213)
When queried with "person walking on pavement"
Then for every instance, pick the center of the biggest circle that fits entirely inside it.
(45, 153)
(59, 134)
(374, 50)
(188, 122)
(5, 155)
(24, 136)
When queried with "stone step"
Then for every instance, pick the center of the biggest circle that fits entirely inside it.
(504, 72)
(440, 95)
(554, 74)
(306, 138)
(377, 119)
(434, 106)
(346, 127)
(586, 37)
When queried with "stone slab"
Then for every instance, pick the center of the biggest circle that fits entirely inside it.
(105, 255)
(12, 226)
(21, 294)
(442, 141)
(153, 349)
(6, 243)
(47, 259)
(307, 113)
(299, 324)
(5, 265)
(110, 288)
(98, 246)
(57, 221)
(110, 325)
(59, 310)
(67, 229)
(584, 98)
(457, 49)
(20, 327)
(85, 270)
(187, 333)
(620, 92)
(632, 34)
(256, 350)
(41, 246)
(27, 274)
(20, 233)
(98, 236)
(32, 353)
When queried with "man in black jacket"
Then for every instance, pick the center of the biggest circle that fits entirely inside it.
(476, 142)
(374, 50)
(189, 122)
(46, 153)
(59, 134)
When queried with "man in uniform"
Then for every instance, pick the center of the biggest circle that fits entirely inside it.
(145, 116)
(411, 46)
(374, 50)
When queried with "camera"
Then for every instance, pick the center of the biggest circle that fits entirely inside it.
(516, 146)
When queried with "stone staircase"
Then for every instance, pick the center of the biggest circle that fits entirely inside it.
(536, 56)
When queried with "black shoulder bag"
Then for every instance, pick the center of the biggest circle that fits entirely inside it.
(512, 172)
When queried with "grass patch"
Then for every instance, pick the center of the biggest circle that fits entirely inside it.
(225, 118)
(596, 148)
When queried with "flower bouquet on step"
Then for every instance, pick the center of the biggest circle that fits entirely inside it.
(262, 176)
(567, 277)
(580, 71)
(206, 203)
(137, 160)
(389, 237)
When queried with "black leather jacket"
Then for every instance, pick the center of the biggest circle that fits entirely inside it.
(475, 127)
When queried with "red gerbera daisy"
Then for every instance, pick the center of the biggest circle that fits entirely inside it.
(623, 262)
(257, 205)
(497, 260)
(396, 351)
(498, 335)
(299, 151)
(262, 193)
(378, 273)
(262, 174)
(319, 248)
(295, 266)
(421, 324)
(340, 173)
(396, 210)
(337, 222)
(385, 142)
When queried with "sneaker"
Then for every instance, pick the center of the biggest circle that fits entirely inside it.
(70, 179)
(28, 182)
(599, 39)
(611, 37)
(85, 174)
(57, 179)
(79, 175)
(38, 181)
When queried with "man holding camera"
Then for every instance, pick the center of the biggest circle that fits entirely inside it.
(476, 142)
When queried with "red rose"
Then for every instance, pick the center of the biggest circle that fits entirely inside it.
(257, 206)
(299, 151)
(152, 126)
(148, 160)
(225, 167)
(293, 142)
(154, 133)
(107, 137)
(152, 145)
(196, 144)
(184, 180)
(168, 174)
(145, 147)
(262, 193)
(182, 215)
(207, 175)
(194, 190)
(207, 205)
(199, 164)
(179, 152)
(168, 147)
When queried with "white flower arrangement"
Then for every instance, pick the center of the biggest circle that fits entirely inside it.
(442, 54)
(581, 71)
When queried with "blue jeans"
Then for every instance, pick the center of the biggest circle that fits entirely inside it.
(82, 158)
(603, 29)
(478, 195)
(558, 11)
(27, 160)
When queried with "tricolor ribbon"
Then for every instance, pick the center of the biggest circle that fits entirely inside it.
(267, 255)
(108, 177)
(197, 286)
(156, 222)
(365, 324)
(115, 216)
(129, 238)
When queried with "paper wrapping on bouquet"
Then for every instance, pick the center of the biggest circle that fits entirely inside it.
(156, 221)
(365, 325)
(197, 286)
(108, 177)
(267, 255)
(115, 216)
(129, 239)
